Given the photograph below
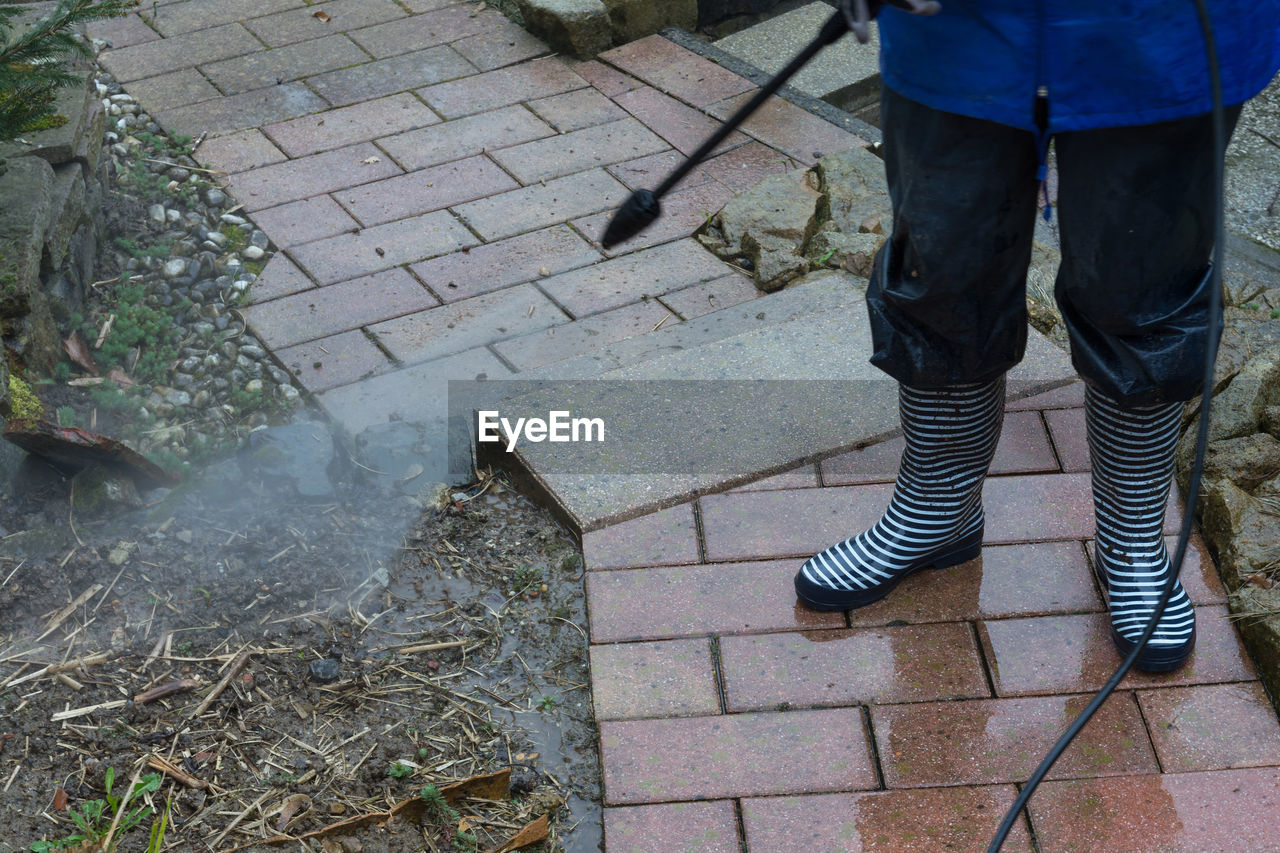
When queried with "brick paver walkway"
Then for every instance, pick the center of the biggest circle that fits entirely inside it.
(732, 718)
(433, 181)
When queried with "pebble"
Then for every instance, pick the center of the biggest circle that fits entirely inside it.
(199, 282)
(324, 671)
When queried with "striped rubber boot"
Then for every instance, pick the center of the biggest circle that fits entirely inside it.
(1132, 455)
(935, 516)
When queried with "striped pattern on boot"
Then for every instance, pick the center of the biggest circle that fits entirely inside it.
(1132, 456)
(935, 516)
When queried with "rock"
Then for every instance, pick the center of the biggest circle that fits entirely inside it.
(98, 491)
(215, 197)
(156, 214)
(853, 252)
(1239, 531)
(855, 189)
(75, 448)
(324, 670)
(175, 267)
(1259, 627)
(253, 253)
(1247, 461)
(253, 386)
(178, 399)
(769, 225)
(1239, 409)
(26, 211)
(579, 27)
(635, 19)
(301, 457)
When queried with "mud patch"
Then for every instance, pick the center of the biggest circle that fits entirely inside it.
(331, 652)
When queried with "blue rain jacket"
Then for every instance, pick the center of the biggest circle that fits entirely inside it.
(1102, 63)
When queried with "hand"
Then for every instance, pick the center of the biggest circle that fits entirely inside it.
(859, 13)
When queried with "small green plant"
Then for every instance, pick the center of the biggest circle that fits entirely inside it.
(822, 261)
(203, 593)
(525, 577)
(236, 238)
(1252, 306)
(137, 324)
(1275, 313)
(438, 805)
(185, 648)
(465, 841)
(399, 770)
(547, 703)
(62, 372)
(156, 843)
(93, 817)
(66, 416)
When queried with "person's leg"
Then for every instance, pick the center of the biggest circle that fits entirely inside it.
(1136, 214)
(948, 319)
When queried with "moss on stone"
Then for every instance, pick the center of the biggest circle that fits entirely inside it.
(25, 402)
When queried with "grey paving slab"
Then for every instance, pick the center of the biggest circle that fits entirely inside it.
(704, 418)
(413, 399)
(842, 71)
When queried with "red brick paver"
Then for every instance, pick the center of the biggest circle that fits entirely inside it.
(653, 761)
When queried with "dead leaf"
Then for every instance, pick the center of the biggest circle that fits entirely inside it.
(328, 845)
(295, 805)
(533, 833)
(60, 800)
(119, 377)
(465, 824)
(490, 786)
(322, 16)
(79, 353)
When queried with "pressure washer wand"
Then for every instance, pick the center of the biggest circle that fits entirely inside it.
(642, 208)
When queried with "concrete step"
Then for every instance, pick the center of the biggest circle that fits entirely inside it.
(846, 74)
(722, 413)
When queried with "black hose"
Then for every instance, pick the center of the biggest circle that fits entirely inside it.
(1202, 437)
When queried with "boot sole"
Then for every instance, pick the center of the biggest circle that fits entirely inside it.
(1158, 658)
(1151, 658)
(817, 597)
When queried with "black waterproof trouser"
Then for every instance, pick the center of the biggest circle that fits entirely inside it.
(1135, 212)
